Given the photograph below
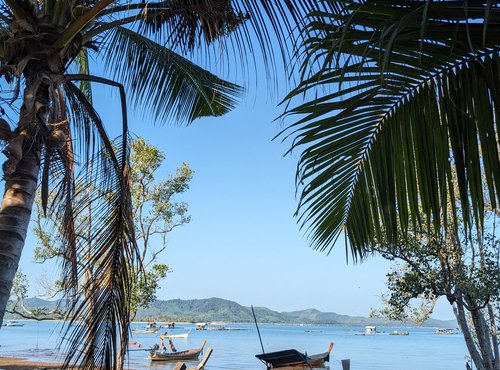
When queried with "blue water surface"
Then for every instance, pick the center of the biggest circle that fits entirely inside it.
(236, 349)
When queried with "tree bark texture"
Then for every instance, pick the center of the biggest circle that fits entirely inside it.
(15, 214)
(469, 340)
(494, 336)
(481, 346)
(21, 176)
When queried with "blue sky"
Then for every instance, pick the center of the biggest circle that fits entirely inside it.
(243, 242)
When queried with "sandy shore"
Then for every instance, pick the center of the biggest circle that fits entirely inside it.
(16, 363)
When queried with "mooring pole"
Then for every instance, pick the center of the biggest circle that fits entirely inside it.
(258, 331)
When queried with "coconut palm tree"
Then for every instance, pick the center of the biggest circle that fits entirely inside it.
(401, 98)
(58, 140)
(401, 119)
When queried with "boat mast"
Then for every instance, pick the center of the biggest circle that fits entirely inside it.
(258, 331)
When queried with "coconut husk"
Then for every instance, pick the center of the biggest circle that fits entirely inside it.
(57, 139)
(5, 130)
(9, 166)
(14, 150)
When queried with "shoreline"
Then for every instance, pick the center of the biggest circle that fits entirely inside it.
(21, 363)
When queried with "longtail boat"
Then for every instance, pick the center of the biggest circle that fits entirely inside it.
(190, 354)
(145, 331)
(180, 335)
(293, 359)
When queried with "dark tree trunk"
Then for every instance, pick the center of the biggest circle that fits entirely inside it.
(15, 214)
(21, 176)
(469, 340)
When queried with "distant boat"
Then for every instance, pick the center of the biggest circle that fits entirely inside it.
(291, 358)
(12, 323)
(217, 325)
(201, 326)
(171, 326)
(145, 331)
(151, 325)
(445, 331)
(180, 335)
(395, 332)
(190, 354)
(369, 330)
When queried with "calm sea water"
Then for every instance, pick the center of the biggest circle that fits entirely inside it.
(421, 350)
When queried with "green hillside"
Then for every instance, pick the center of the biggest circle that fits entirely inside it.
(217, 309)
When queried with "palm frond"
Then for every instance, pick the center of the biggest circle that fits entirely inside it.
(82, 61)
(108, 257)
(190, 23)
(407, 99)
(247, 27)
(171, 86)
(60, 178)
(108, 267)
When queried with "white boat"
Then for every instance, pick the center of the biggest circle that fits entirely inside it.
(445, 331)
(13, 323)
(145, 331)
(395, 332)
(201, 326)
(180, 335)
(217, 325)
(369, 330)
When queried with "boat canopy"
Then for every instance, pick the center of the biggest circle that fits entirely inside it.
(280, 358)
(218, 323)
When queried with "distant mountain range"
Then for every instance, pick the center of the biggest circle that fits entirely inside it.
(217, 309)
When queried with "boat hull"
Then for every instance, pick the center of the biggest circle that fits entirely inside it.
(174, 356)
(150, 331)
(166, 336)
(292, 359)
(190, 354)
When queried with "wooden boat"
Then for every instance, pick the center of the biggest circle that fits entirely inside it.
(293, 359)
(200, 366)
(190, 354)
(145, 331)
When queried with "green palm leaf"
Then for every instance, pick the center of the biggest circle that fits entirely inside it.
(111, 256)
(407, 99)
(108, 257)
(171, 86)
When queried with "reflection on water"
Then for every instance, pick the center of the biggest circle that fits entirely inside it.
(420, 350)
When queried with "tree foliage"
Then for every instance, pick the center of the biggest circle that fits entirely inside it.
(155, 213)
(400, 96)
(461, 268)
(55, 139)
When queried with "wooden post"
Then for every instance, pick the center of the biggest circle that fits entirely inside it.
(346, 364)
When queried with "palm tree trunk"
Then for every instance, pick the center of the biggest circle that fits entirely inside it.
(15, 214)
(21, 176)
